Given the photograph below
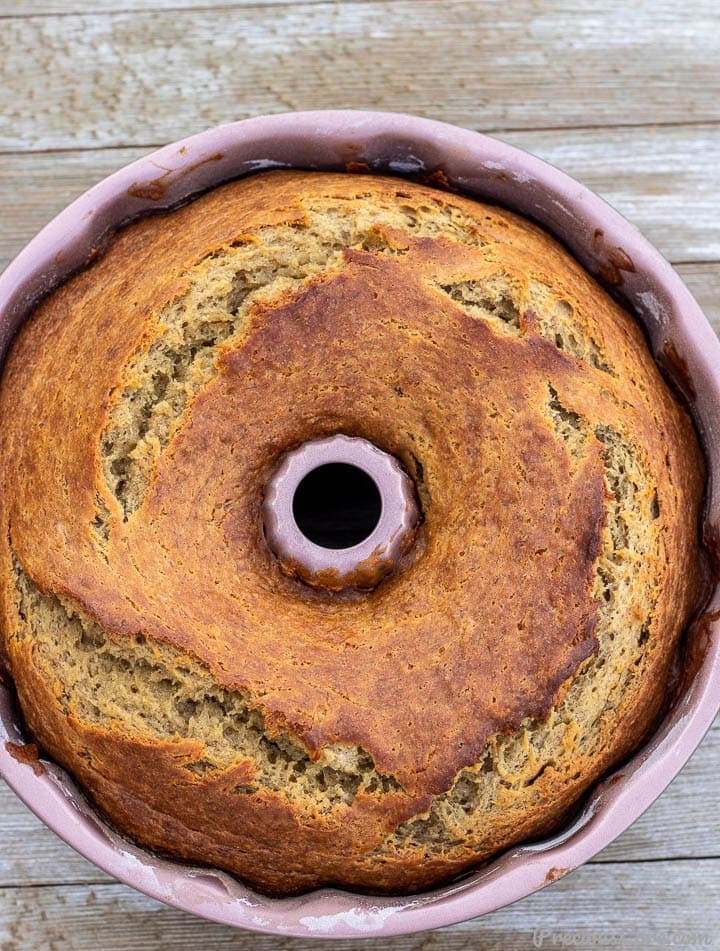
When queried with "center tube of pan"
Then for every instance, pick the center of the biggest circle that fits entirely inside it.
(340, 512)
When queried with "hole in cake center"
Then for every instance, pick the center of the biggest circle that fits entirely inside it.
(337, 505)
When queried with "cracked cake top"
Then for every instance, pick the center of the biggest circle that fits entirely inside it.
(221, 711)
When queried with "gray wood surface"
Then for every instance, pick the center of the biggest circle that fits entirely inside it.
(106, 79)
(28, 8)
(624, 96)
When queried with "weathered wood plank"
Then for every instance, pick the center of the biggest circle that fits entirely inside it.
(652, 905)
(20, 8)
(676, 826)
(665, 180)
(135, 77)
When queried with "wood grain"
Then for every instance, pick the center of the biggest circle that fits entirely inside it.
(665, 180)
(638, 905)
(27, 8)
(102, 79)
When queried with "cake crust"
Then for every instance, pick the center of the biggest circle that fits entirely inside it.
(221, 712)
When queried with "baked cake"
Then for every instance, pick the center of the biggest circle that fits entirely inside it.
(218, 710)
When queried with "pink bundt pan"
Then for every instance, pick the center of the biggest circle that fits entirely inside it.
(609, 247)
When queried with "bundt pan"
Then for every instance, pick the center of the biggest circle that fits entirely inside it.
(611, 249)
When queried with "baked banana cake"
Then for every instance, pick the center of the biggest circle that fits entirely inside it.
(387, 737)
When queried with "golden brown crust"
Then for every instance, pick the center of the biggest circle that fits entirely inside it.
(481, 634)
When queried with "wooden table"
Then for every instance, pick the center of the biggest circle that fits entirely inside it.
(624, 96)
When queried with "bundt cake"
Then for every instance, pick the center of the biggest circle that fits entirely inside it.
(386, 736)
